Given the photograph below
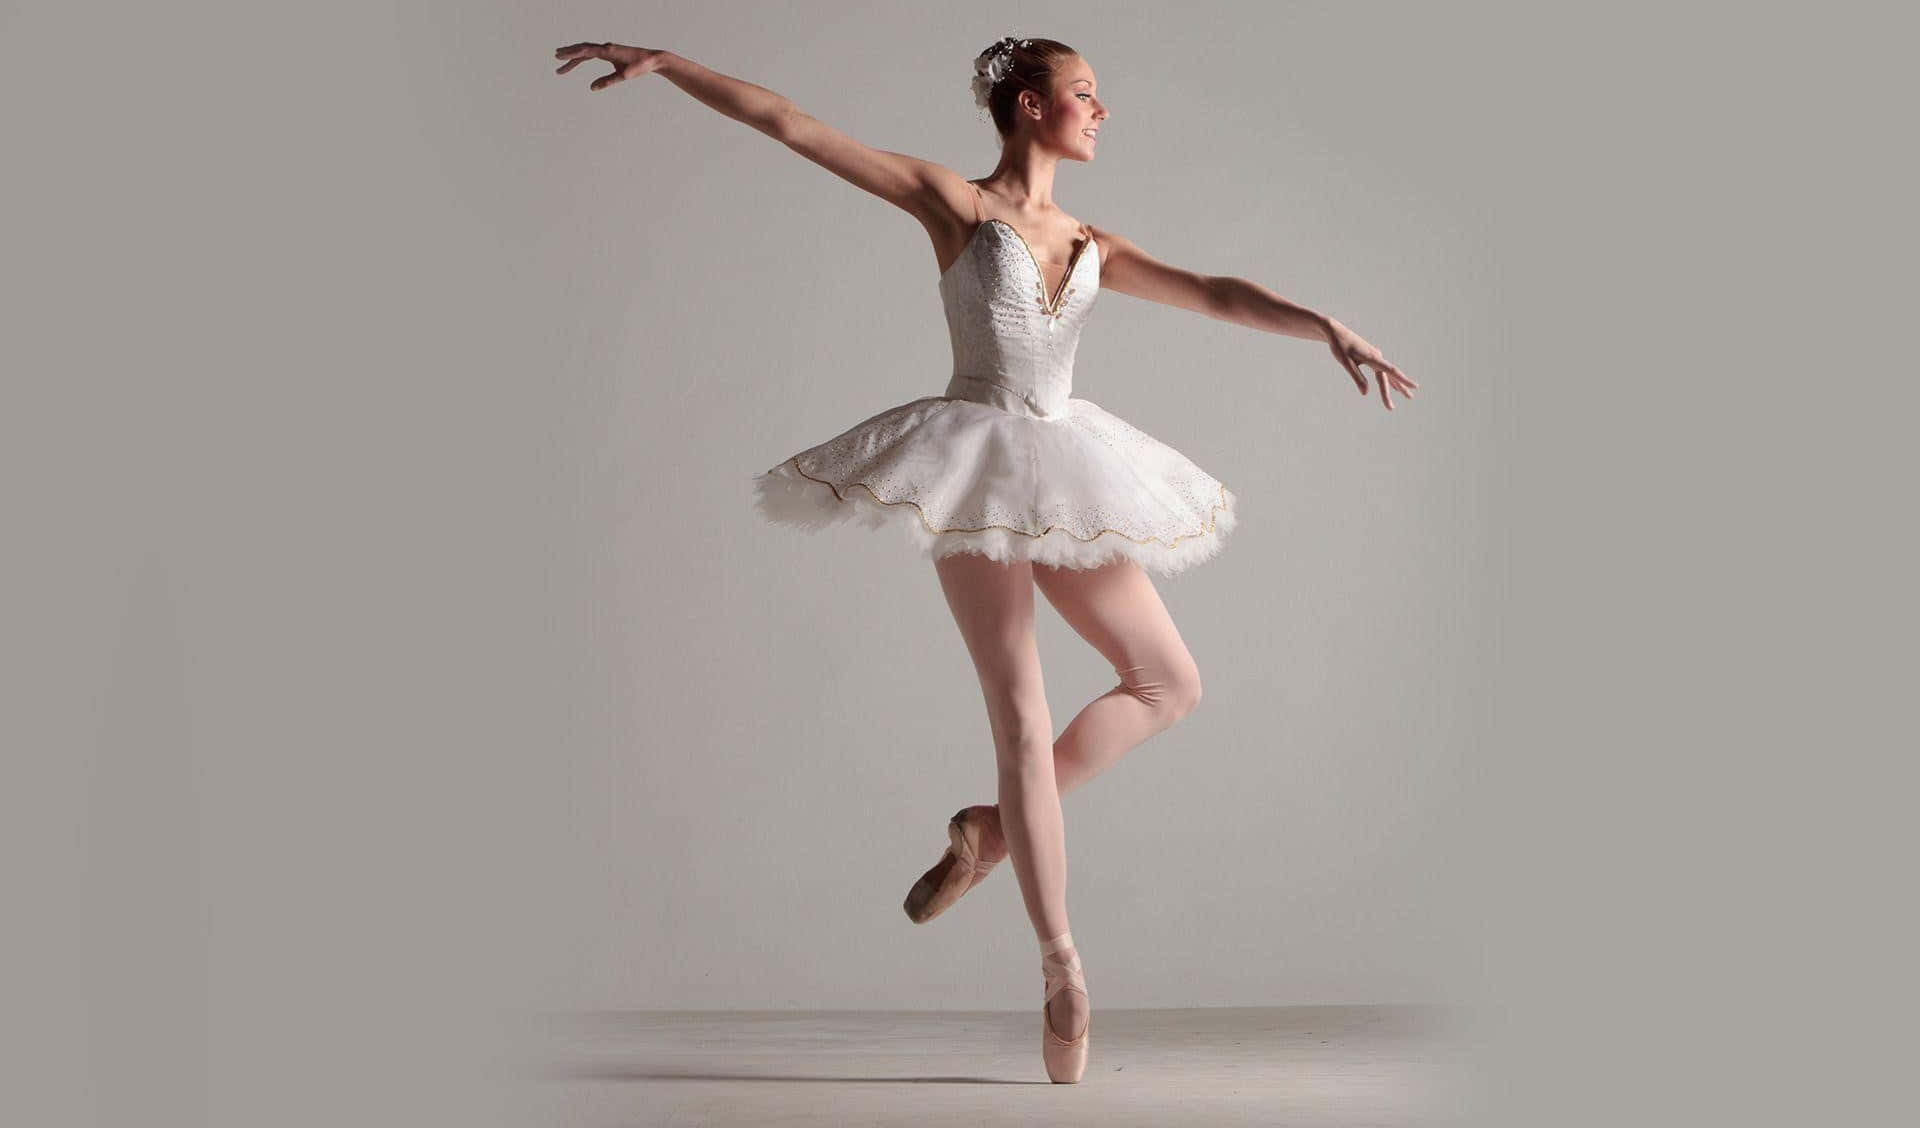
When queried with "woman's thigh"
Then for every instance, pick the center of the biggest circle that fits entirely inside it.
(1118, 611)
(992, 603)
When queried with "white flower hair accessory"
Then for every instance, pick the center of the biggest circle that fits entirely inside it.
(991, 66)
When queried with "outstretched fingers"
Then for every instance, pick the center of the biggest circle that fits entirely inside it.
(624, 61)
(1388, 378)
(578, 53)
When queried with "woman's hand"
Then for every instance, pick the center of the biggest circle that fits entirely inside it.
(1352, 351)
(628, 62)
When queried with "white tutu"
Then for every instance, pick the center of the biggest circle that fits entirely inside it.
(1006, 463)
(958, 476)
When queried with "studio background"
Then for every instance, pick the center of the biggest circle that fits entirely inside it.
(415, 666)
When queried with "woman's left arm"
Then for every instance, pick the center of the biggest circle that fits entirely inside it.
(1130, 270)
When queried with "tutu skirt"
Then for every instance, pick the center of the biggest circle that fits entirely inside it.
(1079, 490)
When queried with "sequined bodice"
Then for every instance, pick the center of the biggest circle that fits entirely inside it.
(1013, 343)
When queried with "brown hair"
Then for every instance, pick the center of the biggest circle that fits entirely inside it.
(1034, 61)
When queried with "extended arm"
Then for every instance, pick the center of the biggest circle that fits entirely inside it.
(1130, 270)
(928, 191)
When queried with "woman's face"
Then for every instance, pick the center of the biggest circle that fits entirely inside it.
(1072, 114)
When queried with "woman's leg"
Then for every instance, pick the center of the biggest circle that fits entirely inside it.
(993, 604)
(1116, 609)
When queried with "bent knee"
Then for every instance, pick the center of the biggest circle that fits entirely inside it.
(1186, 692)
(1172, 689)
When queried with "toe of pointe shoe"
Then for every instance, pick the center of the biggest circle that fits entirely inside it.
(1066, 1060)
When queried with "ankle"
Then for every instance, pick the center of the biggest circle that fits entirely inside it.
(1060, 949)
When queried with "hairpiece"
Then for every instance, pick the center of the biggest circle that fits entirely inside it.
(991, 66)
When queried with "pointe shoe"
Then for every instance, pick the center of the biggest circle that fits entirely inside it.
(1066, 1059)
(958, 870)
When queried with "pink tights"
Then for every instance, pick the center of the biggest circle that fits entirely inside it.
(1116, 609)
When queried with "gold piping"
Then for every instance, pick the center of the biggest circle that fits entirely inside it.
(1073, 261)
(922, 514)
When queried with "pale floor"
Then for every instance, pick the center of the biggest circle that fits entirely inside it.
(1304, 1066)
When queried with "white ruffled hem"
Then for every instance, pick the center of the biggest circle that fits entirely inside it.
(785, 498)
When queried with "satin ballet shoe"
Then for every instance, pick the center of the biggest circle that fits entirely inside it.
(958, 870)
(1066, 1058)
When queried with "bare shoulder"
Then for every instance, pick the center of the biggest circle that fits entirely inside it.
(950, 211)
(1109, 241)
(1110, 244)
(951, 199)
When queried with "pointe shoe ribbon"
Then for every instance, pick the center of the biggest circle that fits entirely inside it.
(1066, 1059)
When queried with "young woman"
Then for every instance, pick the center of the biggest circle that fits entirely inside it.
(1005, 480)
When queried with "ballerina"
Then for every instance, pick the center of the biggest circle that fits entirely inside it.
(1008, 482)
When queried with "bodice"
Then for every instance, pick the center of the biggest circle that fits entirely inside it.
(1013, 343)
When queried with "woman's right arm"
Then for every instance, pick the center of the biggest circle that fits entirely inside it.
(930, 192)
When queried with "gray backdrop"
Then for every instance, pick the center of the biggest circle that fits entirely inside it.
(398, 658)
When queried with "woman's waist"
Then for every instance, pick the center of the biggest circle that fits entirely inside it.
(1036, 400)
